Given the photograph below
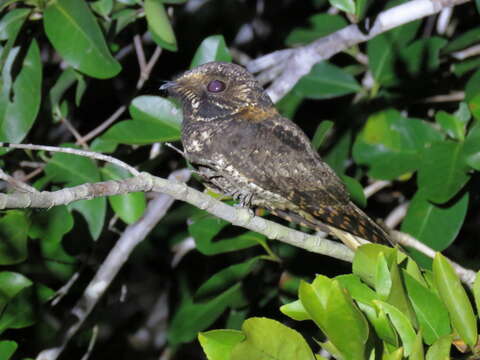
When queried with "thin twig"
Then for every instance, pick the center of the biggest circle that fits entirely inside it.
(453, 97)
(466, 275)
(17, 184)
(466, 53)
(64, 289)
(74, 132)
(103, 126)
(396, 215)
(376, 187)
(85, 153)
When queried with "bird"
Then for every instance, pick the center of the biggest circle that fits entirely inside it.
(240, 145)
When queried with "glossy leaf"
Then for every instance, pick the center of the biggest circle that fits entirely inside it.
(20, 100)
(401, 324)
(422, 55)
(455, 298)
(366, 259)
(20, 310)
(432, 315)
(472, 94)
(11, 22)
(392, 145)
(50, 226)
(225, 278)
(383, 52)
(445, 158)
(75, 34)
(434, 225)
(334, 312)
(295, 310)
(192, 317)
(218, 344)
(451, 124)
(7, 348)
(476, 292)
(75, 170)
(128, 207)
(155, 119)
(462, 41)
(269, 339)
(213, 48)
(440, 349)
(11, 284)
(13, 237)
(344, 5)
(417, 350)
(321, 133)
(159, 25)
(326, 81)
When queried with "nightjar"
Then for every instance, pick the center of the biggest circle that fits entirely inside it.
(242, 147)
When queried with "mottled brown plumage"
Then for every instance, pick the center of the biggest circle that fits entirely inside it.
(244, 148)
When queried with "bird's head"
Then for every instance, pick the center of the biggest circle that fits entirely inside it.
(215, 90)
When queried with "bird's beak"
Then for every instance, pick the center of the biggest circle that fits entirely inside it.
(169, 87)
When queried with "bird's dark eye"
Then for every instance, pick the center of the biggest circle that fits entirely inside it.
(216, 86)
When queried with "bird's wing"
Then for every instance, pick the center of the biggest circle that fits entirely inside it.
(277, 156)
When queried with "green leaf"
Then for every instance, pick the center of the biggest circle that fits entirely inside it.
(212, 48)
(451, 124)
(11, 22)
(383, 280)
(295, 310)
(366, 259)
(463, 67)
(219, 344)
(204, 230)
(20, 311)
(159, 25)
(334, 312)
(434, 225)
(417, 350)
(455, 298)
(102, 7)
(401, 324)
(355, 190)
(75, 170)
(267, 339)
(13, 237)
(472, 94)
(320, 25)
(326, 81)
(155, 119)
(50, 226)
(20, 102)
(445, 158)
(11, 284)
(422, 55)
(392, 145)
(383, 51)
(7, 348)
(440, 349)
(321, 133)
(128, 207)
(344, 5)
(75, 34)
(194, 317)
(432, 315)
(462, 41)
(225, 278)
(338, 157)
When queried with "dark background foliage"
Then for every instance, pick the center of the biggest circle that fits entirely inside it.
(381, 120)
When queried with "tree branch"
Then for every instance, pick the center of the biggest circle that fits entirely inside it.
(237, 216)
(292, 64)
